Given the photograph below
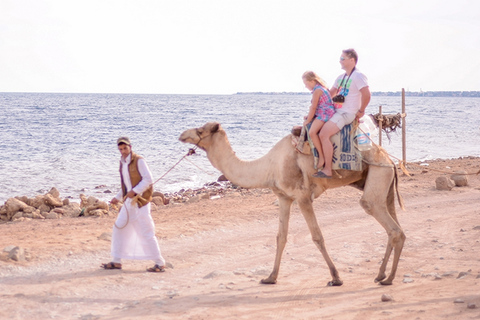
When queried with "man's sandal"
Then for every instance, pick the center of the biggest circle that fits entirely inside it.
(111, 265)
(156, 268)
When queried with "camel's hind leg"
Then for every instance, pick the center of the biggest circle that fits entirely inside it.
(317, 237)
(378, 201)
(285, 205)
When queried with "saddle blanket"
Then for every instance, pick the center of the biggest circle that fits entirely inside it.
(345, 154)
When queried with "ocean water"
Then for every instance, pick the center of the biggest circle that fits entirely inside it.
(67, 141)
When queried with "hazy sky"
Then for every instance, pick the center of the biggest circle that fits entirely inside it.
(224, 47)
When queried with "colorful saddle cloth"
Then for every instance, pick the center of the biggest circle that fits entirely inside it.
(345, 154)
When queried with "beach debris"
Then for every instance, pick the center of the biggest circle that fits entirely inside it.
(444, 183)
(460, 178)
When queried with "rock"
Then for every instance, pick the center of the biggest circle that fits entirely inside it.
(53, 201)
(23, 199)
(36, 215)
(36, 202)
(471, 305)
(458, 301)
(66, 202)
(9, 248)
(107, 236)
(71, 210)
(159, 201)
(216, 274)
(54, 193)
(44, 208)
(17, 215)
(462, 275)
(460, 178)
(386, 297)
(58, 210)
(97, 212)
(444, 183)
(193, 199)
(51, 215)
(222, 178)
(14, 205)
(29, 209)
(17, 254)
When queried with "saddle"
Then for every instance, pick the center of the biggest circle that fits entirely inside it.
(345, 153)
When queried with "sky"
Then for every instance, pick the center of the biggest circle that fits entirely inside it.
(224, 47)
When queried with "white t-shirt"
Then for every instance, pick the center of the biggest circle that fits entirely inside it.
(351, 91)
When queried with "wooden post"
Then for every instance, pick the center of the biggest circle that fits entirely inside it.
(404, 130)
(380, 126)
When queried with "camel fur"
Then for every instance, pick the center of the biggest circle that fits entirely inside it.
(289, 175)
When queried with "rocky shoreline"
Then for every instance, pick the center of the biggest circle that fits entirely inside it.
(52, 206)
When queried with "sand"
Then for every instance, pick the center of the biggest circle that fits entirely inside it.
(218, 250)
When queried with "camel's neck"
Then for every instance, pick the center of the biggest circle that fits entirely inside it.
(246, 174)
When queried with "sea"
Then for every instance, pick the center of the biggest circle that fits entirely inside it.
(68, 140)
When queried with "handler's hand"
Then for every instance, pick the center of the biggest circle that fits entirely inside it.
(131, 194)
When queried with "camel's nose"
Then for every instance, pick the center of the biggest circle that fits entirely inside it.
(183, 137)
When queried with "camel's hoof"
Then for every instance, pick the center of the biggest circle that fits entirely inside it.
(268, 281)
(379, 278)
(386, 283)
(334, 283)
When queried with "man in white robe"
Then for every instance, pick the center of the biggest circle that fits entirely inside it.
(134, 230)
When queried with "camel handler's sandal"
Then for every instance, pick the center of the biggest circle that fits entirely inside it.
(156, 268)
(111, 265)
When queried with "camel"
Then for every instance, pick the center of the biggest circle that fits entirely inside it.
(289, 175)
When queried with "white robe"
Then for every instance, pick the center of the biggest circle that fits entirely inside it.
(134, 230)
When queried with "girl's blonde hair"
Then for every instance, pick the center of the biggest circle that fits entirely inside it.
(312, 76)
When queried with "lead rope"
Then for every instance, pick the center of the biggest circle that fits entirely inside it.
(135, 199)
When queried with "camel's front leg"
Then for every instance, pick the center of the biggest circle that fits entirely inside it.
(285, 205)
(317, 237)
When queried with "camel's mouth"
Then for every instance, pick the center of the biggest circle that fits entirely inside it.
(185, 137)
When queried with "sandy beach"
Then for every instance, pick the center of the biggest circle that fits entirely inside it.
(218, 250)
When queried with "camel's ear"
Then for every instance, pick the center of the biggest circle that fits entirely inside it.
(215, 127)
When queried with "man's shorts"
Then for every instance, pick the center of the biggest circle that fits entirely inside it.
(342, 119)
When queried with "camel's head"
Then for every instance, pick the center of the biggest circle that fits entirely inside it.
(200, 136)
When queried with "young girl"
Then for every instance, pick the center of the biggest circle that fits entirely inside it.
(321, 110)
